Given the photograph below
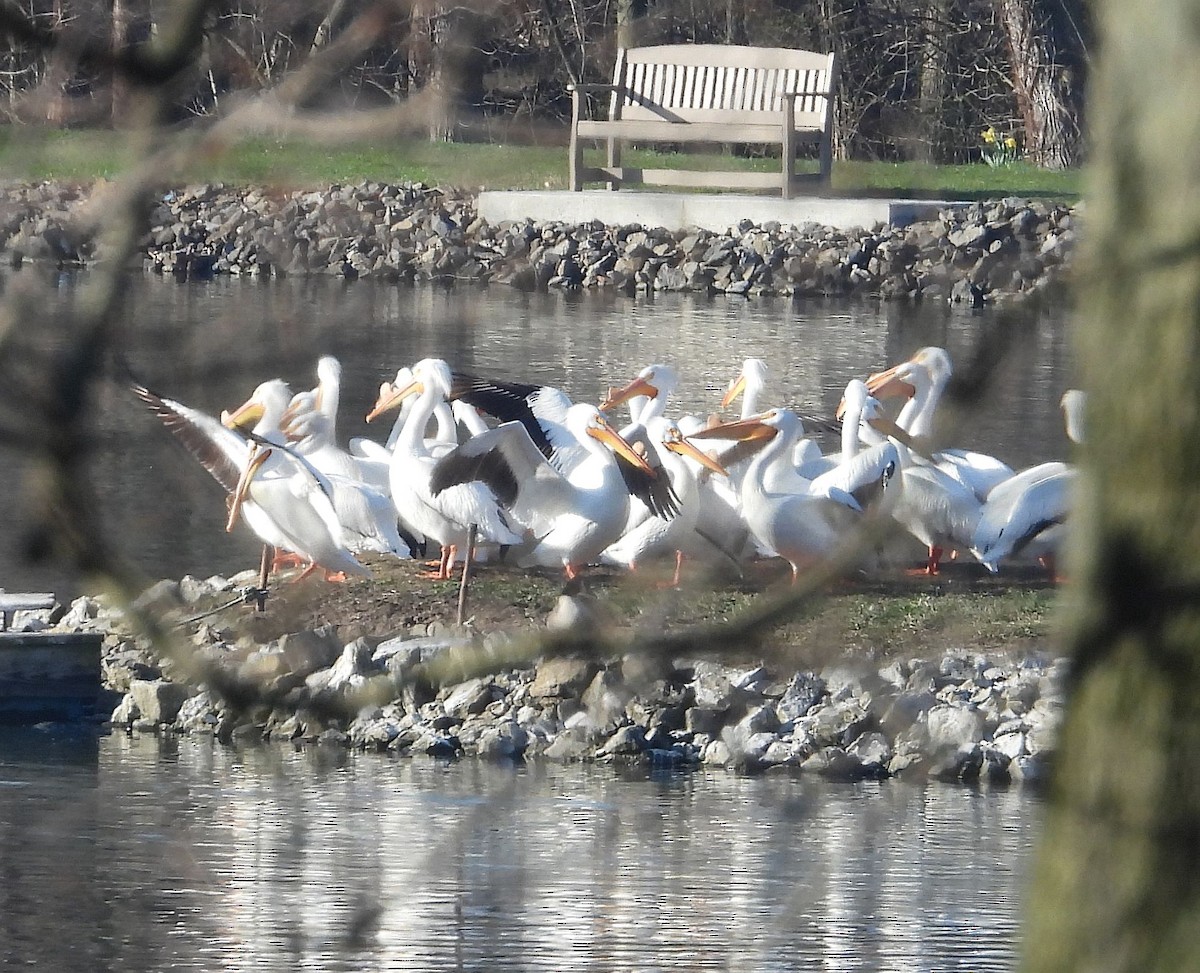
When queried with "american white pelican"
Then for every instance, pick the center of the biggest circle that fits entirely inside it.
(543, 410)
(793, 526)
(749, 384)
(858, 470)
(797, 526)
(375, 455)
(282, 498)
(366, 515)
(646, 393)
(929, 501)
(646, 533)
(718, 532)
(922, 379)
(1025, 514)
(432, 490)
(572, 516)
(1073, 404)
(936, 508)
(310, 425)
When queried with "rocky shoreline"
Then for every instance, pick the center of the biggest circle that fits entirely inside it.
(961, 716)
(990, 251)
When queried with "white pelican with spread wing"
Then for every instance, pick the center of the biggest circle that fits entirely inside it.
(283, 499)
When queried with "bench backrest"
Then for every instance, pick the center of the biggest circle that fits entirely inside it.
(721, 83)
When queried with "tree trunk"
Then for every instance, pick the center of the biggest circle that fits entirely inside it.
(59, 65)
(1044, 72)
(324, 32)
(735, 22)
(629, 15)
(1117, 886)
(119, 85)
(450, 39)
(932, 95)
(830, 38)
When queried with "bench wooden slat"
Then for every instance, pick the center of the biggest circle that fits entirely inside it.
(654, 130)
(711, 93)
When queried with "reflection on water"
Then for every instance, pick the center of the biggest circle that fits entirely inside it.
(208, 345)
(147, 854)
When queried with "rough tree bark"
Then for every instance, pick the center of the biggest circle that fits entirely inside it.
(1044, 75)
(456, 63)
(1117, 886)
(324, 31)
(932, 94)
(629, 15)
(119, 84)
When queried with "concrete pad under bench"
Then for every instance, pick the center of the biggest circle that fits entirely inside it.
(716, 212)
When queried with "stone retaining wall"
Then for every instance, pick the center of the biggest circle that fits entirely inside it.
(962, 716)
(986, 251)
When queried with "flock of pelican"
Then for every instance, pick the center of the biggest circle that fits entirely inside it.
(501, 469)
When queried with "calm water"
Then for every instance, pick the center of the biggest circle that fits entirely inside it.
(209, 344)
(136, 854)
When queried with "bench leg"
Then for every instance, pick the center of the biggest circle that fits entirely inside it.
(789, 164)
(827, 159)
(787, 147)
(575, 163)
(614, 159)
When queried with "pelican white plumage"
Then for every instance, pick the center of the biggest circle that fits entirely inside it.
(541, 409)
(750, 384)
(794, 526)
(922, 379)
(859, 469)
(1073, 405)
(572, 516)
(806, 459)
(309, 425)
(938, 509)
(647, 393)
(431, 490)
(1025, 514)
(718, 533)
(281, 497)
(647, 533)
(368, 522)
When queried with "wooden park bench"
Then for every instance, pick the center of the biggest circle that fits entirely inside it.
(709, 93)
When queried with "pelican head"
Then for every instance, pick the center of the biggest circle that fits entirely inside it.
(752, 376)
(652, 381)
(267, 405)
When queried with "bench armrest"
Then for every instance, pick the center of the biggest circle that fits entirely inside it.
(590, 87)
(793, 95)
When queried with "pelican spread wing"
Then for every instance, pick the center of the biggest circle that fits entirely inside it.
(221, 451)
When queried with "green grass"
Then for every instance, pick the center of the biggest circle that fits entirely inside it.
(83, 155)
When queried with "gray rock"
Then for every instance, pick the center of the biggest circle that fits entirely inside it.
(953, 728)
(351, 671)
(627, 741)
(158, 701)
(504, 742)
(560, 677)
(471, 697)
